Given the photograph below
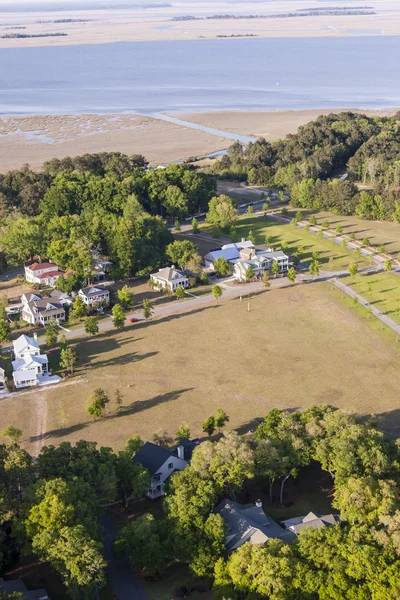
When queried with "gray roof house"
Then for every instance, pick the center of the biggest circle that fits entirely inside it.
(17, 585)
(231, 252)
(170, 277)
(161, 463)
(93, 294)
(249, 523)
(260, 261)
(311, 520)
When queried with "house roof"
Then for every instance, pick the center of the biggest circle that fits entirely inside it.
(310, 520)
(17, 585)
(169, 273)
(30, 296)
(55, 273)
(247, 522)
(94, 290)
(39, 266)
(58, 295)
(44, 306)
(24, 340)
(239, 245)
(188, 448)
(21, 365)
(152, 457)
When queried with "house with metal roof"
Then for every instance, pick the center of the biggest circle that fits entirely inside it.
(45, 273)
(161, 463)
(230, 252)
(260, 261)
(249, 523)
(30, 367)
(312, 520)
(169, 278)
(94, 295)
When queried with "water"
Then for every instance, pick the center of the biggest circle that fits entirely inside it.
(246, 74)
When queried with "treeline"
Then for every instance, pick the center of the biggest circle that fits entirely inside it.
(107, 202)
(50, 507)
(310, 165)
(356, 558)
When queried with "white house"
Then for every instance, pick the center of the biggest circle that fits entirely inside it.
(231, 252)
(45, 273)
(93, 294)
(161, 463)
(260, 261)
(36, 309)
(170, 278)
(2, 379)
(30, 367)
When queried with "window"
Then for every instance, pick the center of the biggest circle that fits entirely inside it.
(157, 477)
(170, 465)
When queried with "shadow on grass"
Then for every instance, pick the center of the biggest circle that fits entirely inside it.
(131, 409)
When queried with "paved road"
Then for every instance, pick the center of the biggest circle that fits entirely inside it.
(124, 582)
(384, 318)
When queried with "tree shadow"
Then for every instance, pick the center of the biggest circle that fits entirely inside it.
(142, 405)
(62, 431)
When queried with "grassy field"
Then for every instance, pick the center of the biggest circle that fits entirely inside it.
(378, 232)
(332, 256)
(380, 289)
(296, 346)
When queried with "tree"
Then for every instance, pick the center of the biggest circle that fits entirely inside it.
(314, 268)
(344, 244)
(147, 309)
(275, 268)
(12, 432)
(250, 209)
(125, 297)
(313, 220)
(364, 499)
(353, 269)
(175, 201)
(79, 309)
(132, 479)
(183, 433)
(265, 279)
(51, 334)
(209, 426)
(97, 403)
(195, 225)
(141, 541)
(291, 275)
(221, 212)
(366, 242)
(251, 237)
(133, 445)
(216, 292)
(250, 274)
(194, 265)
(388, 265)
(118, 316)
(68, 359)
(118, 398)
(4, 331)
(220, 419)
(181, 252)
(91, 325)
(339, 229)
(221, 266)
(180, 292)
(325, 224)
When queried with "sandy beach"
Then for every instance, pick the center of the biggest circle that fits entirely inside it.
(35, 139)
(157, 23)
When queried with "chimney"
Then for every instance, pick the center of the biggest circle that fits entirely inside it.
(243, 239)
(35, 336)
(258, 503)
(181, 452)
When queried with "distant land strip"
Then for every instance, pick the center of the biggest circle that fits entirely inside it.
(300, 13)
(30, 35)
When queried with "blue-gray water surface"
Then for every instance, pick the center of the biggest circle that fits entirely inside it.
(148, 77)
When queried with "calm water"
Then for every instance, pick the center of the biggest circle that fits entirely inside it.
(200, 75)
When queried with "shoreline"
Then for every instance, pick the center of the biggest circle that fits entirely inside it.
(34, 139)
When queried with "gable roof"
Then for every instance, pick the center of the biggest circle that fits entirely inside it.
(31, 296)
(152, 457)
(39, 266)
(169, 273)
(310, 520)
(54, 273)
(247, 522)
(24, 340)
(188, 447)
(94, 290)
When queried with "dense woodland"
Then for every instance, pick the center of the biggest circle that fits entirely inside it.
(51, 507)
(105, 202)
(310, 163)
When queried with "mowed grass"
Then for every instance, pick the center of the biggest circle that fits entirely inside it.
(380, 289)
(296, 346)
(332, 255)
(378, 232)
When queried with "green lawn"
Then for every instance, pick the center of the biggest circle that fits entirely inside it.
(380, 289)
(332, 256)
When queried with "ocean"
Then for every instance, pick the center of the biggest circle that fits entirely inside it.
(201, 75)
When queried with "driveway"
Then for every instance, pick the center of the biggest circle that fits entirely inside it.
(125, 584)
